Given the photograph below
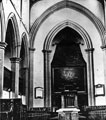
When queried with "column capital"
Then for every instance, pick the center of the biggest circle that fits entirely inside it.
(3, 45)
(89, 50)
(15, 59)
(25, 68)
(103, 47)
(46, 51)
(32, 49)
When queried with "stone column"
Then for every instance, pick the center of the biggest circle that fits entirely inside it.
(2, 48)
(15, 76)
(90, 77)
(3, 26)
(31, 50)
(104, 61)
(26, 84)
(47, 79)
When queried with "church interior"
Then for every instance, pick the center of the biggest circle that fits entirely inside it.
(52, 59)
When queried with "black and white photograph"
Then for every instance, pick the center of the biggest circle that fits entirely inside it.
(52, 59)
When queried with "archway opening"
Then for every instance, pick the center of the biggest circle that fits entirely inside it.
(69, 71)
(10, 39)
(22, 70)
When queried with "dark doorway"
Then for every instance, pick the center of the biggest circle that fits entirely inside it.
(9, 52)
(68, 71)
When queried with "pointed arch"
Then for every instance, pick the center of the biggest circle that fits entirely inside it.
(24, 41)
(16, 41)
(62, 25)
(66, 4)
(47, 65)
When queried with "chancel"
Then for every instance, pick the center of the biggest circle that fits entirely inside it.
(52, 59)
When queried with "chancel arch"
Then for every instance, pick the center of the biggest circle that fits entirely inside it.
(61, 5)
(84, 44)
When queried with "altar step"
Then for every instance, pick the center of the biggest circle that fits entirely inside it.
(54, 116)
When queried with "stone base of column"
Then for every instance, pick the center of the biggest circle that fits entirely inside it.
(68, 113)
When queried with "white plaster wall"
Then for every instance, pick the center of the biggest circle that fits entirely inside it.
(17, 5)
(38, 8)
(38, 75)
(7, 63)
(46, 26)
(93, 5)
(25, 13)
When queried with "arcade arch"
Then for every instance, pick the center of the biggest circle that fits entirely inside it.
(23, 70)
(12, 54)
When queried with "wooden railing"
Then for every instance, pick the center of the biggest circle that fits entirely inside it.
(88, 113)
(12, 109)
(95, 112)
